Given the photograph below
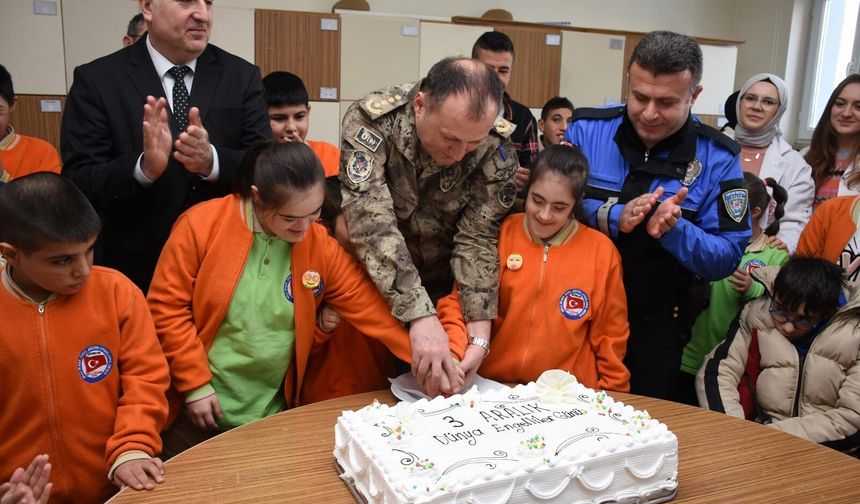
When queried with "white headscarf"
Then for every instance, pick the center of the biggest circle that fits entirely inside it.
(764, 136)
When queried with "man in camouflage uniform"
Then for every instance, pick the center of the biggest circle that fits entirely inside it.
(427, 175)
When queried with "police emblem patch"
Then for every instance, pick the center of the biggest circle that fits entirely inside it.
(368, 139)
(753, 264)
(94, 363)
(735, 201)
(449, 178)
(574, 304)
(507, 195)
(359, 167)
(288, 288)
(694, 169)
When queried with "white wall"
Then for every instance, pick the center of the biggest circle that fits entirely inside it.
(31, 48)
(704, 18)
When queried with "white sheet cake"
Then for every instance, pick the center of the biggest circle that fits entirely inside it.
(551, 441)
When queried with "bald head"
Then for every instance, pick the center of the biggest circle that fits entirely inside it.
(475, 81)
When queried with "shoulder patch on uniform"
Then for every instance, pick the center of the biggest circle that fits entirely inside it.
(504, 127)
(507, 195)
(368, 138)
(735, 201)
(717, 136)
(598, 113)
(379, 103)
(359, 166)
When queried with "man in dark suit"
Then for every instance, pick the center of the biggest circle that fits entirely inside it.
(156, 127)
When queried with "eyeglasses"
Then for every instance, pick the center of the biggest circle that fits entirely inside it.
(751, 100)
(780, 316)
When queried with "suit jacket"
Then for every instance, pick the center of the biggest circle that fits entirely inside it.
(101, 138)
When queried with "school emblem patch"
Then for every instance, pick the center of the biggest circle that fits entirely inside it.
(574, 304)
(507, 195)
(288, 289)
(94, 363)
(735, 201)
(368, 139)
(753, 264)
(359, 167)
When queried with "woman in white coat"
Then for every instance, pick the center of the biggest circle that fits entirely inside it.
(761, 102)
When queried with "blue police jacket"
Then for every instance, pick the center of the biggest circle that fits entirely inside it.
(710, 237)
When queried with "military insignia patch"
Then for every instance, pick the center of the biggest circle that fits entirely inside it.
(449, 178)
(359, 167)
(503, 126)
(368, 139)
(507, 195)
(694, 169)
(735, 201)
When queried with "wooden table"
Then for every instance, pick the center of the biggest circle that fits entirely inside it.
(288, 458)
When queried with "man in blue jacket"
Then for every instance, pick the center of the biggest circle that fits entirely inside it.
(670, 193)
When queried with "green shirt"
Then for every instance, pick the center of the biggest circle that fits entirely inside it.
(254, 346)
(712, 325)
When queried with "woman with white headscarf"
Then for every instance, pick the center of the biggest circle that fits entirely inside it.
(761, 102)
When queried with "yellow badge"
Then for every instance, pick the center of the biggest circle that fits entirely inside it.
(373, 105)
(502, 126)
(311, 279)
(515, 262)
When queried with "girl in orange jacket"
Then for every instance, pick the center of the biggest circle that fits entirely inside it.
(561, 301)
(237, 287)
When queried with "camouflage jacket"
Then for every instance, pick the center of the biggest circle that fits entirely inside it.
(418, 226)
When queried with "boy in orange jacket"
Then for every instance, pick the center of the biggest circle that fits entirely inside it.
(84, 378)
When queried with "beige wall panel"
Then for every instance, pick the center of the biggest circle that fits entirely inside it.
(718, 78)
(591, 71)
(705, 18)
(325, 122)
(92, 29)
(374, 53)
(31, 48)
(233, 31)
(440, 40)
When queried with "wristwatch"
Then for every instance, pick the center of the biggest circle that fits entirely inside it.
(481, 342)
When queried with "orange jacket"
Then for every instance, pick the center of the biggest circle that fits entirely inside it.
(829, 229)
(83, 381)
(329, 156)
(197, 273)
(29, 155)
(565, 308)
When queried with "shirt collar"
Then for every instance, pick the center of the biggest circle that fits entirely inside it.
(561, 237)
(8, 139)
(758, 244)
(15, 290)
(162, 64)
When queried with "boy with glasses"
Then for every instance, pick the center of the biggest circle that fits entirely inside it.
(805, 335)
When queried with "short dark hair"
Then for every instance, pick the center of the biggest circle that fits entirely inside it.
(464, 76)
(43, 208)
(665, 52)
(556, 102)
(134, 25)
(277, 169)
(493, 41)
(810, 282)
(284, 88)
(7, 90)
(569, 162)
